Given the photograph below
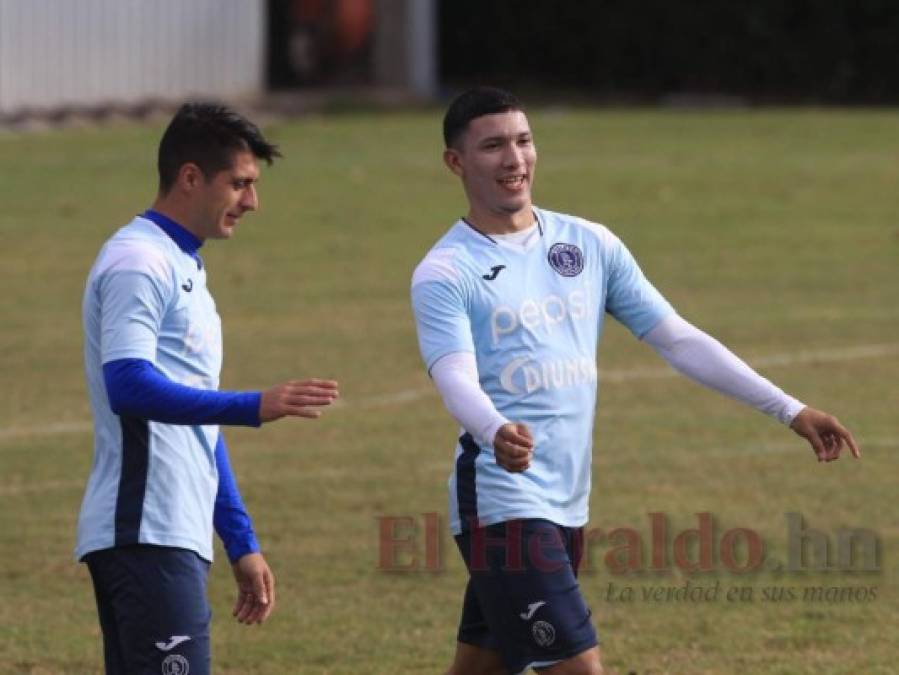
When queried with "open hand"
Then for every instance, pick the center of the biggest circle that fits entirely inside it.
(297, 398)
(255, 589)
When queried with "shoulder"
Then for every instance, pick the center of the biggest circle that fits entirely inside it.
(440, 264)
(445, 262)
(136, 248)
(585, 229)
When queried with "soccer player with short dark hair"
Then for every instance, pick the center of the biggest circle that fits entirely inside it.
(509, 306)
(161, 480)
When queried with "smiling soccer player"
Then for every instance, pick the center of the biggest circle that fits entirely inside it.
(509, 306)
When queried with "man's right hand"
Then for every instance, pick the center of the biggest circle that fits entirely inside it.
(513, 447)
(297, 398)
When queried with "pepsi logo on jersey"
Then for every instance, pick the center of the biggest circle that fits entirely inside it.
(534, 314)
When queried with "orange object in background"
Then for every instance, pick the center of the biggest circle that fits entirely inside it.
(328, 39)
(353, 23)
(347, 23)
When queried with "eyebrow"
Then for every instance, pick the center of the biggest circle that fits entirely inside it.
(504, 137)
(245, 175)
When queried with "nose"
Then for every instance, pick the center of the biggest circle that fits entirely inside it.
(513, 156)
(249, 200)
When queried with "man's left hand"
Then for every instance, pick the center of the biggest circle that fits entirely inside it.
(255, 589)
(824, 433)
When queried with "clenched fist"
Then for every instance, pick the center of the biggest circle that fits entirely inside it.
(513, 447)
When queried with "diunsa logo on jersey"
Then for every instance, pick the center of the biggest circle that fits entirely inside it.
(523, 375)
(566, 259)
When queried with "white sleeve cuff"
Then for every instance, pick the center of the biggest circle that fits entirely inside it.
(456, 378)
(702, 358)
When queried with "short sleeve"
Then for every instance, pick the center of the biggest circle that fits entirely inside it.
(134, 293)
(630, 298)
(441, 317)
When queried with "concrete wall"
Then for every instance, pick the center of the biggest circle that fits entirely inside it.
(84, 53)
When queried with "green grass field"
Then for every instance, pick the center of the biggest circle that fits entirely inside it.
(776, 231)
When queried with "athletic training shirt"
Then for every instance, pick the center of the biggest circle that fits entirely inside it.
(533, 317)
(150, 483)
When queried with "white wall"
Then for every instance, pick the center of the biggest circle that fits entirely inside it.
(88, 52)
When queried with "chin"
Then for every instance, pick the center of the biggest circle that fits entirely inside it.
(512, 208)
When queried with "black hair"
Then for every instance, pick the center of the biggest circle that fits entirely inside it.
(207, 134)
(472, 104)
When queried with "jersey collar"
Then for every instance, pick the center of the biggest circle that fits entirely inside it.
(487, 236)
(186, 240)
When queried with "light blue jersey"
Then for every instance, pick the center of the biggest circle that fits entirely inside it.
(150, 483)
(532, 316)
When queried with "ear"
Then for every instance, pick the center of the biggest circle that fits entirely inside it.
(190, 177)
(453, 160)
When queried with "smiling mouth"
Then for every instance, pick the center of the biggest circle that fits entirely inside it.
(513, 182)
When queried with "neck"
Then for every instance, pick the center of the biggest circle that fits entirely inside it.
(501, 223)
(171, 209)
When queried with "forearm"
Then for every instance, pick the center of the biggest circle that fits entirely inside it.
(456, 378)
(705, 360)
(230, 517)
(136, 388)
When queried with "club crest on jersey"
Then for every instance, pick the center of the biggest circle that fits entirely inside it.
(566, 259)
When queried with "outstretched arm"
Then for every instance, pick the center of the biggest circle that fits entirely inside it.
(702, 358)
(137, 388)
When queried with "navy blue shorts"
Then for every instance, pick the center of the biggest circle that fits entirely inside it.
(153, 610)
(523, 599)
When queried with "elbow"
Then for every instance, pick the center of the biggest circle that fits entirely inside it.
(115, 405)
(120, 380)
(118, 403)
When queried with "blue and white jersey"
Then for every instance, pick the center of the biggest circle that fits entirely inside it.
(150, 482)
(532, 316)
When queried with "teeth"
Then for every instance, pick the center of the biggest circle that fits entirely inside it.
(512, 180)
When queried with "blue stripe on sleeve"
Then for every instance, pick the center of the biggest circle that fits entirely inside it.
(230, 517)
(136, 388)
